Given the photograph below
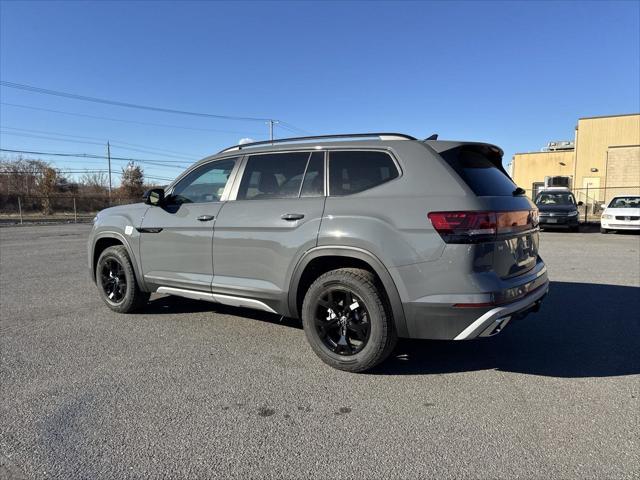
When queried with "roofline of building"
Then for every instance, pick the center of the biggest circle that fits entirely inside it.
(546, 151)
(623, 146)
(609, 116)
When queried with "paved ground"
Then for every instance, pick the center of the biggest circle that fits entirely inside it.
(194, 390)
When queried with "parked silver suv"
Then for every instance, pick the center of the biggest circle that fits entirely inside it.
(365, 237)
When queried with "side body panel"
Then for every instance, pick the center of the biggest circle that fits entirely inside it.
(254, 247)
(176, 247)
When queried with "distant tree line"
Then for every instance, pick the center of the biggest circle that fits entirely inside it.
(39, 182)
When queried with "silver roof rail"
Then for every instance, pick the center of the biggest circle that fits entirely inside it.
(381, 136)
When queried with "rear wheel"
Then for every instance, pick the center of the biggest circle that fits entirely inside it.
(346, 320)
(116, 281)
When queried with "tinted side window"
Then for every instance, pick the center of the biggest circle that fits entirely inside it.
(204, 184)
(313, 185)
(274, 175)
(356, 171)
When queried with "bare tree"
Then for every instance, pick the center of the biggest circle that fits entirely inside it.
(20, 176)
(132, 181)
(96, 182)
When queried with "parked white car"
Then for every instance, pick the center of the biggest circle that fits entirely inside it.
(622, 213)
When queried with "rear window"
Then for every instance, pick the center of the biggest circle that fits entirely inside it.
(482, 172)
(353, 171)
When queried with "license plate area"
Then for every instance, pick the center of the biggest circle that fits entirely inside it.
(515, 256)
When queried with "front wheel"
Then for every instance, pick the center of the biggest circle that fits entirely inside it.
(346, 320)
(116, 281)
(603, 230)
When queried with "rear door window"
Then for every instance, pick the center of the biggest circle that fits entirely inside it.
(353, 171)
(482, 172)
(280, 175)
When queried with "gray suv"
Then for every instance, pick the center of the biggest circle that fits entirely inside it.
(365, 238)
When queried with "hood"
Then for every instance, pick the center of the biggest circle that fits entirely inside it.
(132, 211)
(129, 208)
(622, 212)
(556, 208)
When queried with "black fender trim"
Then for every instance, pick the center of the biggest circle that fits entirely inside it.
(134, 258)
(360, 254)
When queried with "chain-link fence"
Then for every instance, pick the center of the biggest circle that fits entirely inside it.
(20, 209)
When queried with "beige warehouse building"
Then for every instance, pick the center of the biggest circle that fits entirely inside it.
(602, 161)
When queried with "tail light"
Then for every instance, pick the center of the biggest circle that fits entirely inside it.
(475, 227)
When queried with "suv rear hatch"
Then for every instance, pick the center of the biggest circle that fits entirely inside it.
(505, 228)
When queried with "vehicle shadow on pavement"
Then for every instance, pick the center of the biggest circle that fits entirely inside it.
(582, 330)
(169, 304)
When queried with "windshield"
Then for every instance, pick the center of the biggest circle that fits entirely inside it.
(560, 198)
(625, 202)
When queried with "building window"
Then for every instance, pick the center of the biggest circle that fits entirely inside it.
(535, 189)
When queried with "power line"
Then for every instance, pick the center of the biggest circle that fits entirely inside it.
(28, 135)
(103, 140)
(78, 155)
(74, 96)
(75, 172)
(167, 162)
(111, 119)
(293, 128)
(143, 162)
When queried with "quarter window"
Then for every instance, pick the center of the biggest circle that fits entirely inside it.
(204, 184)
(355, 171)
(280, 175)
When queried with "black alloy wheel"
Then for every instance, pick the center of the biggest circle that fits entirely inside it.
(342, 321)
(114, 281)
(347, 319)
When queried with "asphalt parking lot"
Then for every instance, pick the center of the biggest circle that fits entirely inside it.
(195, 390)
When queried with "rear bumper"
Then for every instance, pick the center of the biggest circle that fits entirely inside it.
(497, 318)
(456, 317)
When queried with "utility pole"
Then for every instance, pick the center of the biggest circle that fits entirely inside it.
(109, 163)
(271, 124)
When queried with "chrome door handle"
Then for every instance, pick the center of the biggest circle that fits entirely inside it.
(206, 218)
(290, 217)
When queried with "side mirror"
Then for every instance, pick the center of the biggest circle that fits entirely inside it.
(154, 197)
(580, 203)
(603, 206)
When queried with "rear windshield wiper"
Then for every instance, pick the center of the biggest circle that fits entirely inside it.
(518, 191)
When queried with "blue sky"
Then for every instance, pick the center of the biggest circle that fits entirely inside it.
(517, 74)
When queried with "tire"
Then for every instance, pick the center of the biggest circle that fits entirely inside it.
(574, 228)
(361, 333)
(117, 283)
(604, 230)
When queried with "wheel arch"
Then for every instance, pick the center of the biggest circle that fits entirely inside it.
(108, 239)
(318, 260)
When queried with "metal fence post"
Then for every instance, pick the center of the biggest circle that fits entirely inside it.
(75, 212)
(586, 204)
(20, 209)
